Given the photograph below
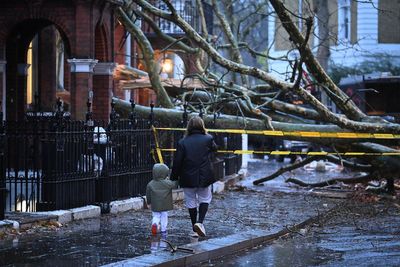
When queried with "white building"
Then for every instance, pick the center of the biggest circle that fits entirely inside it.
(358, 31)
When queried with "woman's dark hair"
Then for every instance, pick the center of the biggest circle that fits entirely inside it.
(195, 125)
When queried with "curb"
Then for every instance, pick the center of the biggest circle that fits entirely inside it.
(213, 248)
(92, 211)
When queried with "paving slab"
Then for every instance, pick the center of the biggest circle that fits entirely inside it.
(85, 212)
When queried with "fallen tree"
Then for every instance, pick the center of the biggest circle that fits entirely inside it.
(258, 106)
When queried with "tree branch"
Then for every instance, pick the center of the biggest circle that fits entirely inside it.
(349, 108)
(164, 36)
(353, 180)
(286, 169)
(148, 55)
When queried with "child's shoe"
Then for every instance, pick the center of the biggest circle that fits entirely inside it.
(154, 229)
(199, 229)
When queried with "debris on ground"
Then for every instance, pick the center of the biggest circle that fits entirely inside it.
(323, 166)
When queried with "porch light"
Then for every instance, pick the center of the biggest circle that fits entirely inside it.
(167, 65)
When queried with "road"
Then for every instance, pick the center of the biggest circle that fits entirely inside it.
(363, 231)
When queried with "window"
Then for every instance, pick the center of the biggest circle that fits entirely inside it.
(388, 21)
(344, 19)
(353, 22)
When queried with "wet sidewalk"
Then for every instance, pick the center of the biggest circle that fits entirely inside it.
(112, 238)
(361, 232)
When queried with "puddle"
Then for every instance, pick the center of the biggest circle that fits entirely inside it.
(373, 241)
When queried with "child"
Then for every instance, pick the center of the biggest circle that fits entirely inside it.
(159, 197)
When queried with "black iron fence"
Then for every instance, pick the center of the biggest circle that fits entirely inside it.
(2, 168)
(233, 162)
(49, 161)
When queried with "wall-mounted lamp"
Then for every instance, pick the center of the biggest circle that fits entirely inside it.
(167, 65)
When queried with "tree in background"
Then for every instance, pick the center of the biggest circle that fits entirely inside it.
(256, 105)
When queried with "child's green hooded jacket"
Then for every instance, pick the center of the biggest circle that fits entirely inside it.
(159, 190)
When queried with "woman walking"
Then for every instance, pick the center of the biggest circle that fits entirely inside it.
(193, 168)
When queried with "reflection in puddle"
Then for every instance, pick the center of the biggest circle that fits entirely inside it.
(157, 243)
(281, 253)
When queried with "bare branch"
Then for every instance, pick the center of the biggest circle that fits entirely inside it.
(352, 180)
(148, 55)
(237, 57)
(173, 41)
(286, 169)
(350, 109)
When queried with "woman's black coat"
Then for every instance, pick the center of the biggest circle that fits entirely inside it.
(192, 163)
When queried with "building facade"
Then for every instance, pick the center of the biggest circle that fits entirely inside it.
(68, 49)
(51, 49)
(358, 31)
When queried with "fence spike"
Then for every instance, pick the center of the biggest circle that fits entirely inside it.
(151, 117)
(113, 114)
(89, 114)
(59, 104)
(132, 115)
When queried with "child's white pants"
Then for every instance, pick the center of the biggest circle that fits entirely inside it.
(160, 218)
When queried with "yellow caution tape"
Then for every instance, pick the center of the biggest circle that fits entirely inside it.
(328, 135)
(311, 134)
(316, 153)
(384, 136)
(348, 135)
(280, 152)
(285, 153)
(354, 153)
(158, 149)
(243, 152)
(271, 133)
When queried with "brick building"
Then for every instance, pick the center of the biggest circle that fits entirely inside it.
(68, 49)
(51, 49)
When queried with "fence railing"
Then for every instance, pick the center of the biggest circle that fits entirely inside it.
(2, 168)
(50, 162)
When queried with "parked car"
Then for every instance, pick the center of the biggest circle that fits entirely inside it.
(293, 146)
(374, 93)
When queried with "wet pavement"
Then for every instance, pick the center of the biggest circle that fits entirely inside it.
(306, 174)
(357, 234)
(363, 231)
(111, 238)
